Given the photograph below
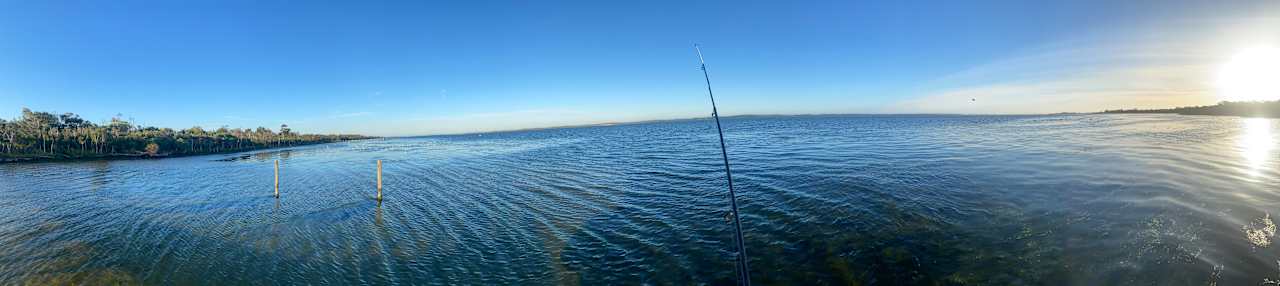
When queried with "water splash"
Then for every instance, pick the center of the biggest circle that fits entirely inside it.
(1260, 231)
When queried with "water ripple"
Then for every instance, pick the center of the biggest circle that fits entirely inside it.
(1072, 199)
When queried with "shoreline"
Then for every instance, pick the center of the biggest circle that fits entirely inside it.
(143, 156)
(1263, 109)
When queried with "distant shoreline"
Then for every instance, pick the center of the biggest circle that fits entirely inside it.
(1265, 109)
(732, 117)
(1117, 111)
(144, 156)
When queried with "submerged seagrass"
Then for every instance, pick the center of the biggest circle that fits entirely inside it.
(1075, 199)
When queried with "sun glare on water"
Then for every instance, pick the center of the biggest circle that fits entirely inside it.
(1251, 75)
(1255, 143)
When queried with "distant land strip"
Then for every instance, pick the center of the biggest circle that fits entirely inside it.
(1268, 109)
(42, 136)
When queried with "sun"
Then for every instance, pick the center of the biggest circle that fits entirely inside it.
(1251, 75)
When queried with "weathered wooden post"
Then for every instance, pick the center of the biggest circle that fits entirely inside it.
(379, 180)
(277, 178)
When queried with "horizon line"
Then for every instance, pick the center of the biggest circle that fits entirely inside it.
(612, 123)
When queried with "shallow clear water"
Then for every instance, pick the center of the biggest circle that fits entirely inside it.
(1086, 200)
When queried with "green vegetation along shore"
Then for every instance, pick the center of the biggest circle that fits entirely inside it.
(40, 136)
(1270, 109)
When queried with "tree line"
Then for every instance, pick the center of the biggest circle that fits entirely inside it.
(43, 135)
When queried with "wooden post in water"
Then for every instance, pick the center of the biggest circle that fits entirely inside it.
(277, 178)
(379, 180)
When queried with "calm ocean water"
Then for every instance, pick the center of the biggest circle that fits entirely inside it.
(1074, 199)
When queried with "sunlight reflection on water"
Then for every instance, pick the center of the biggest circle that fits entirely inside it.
(1256, 142)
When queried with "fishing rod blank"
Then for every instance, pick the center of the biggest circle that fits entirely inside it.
(744, 276)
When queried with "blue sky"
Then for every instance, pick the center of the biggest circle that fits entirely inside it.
(422, 67)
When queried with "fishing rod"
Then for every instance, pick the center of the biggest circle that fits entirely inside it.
(744, 277)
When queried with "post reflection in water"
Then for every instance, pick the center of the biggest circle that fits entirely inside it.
(1255, 144)
(377, 217)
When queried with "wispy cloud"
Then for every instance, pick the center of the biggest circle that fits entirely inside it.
(1089, 74)
(1116, 87)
